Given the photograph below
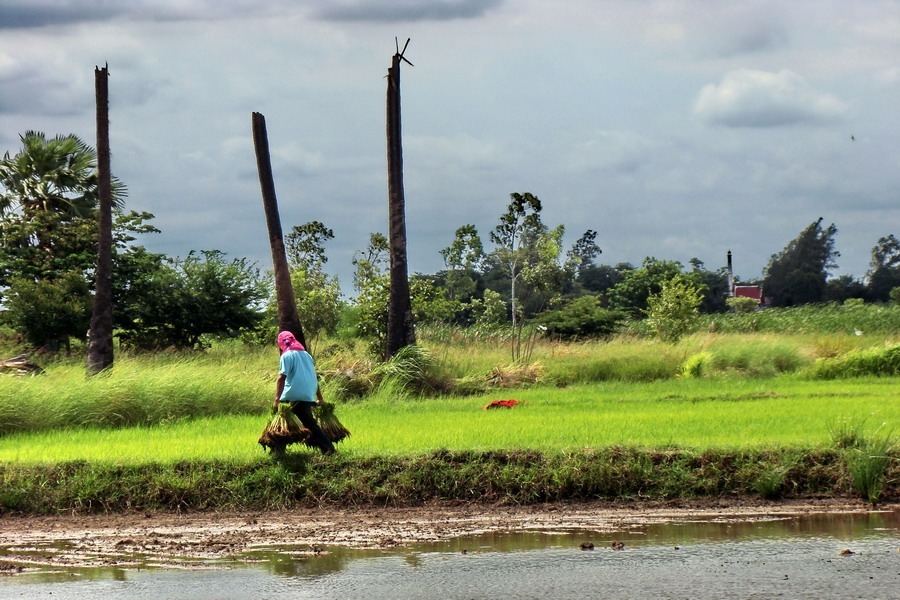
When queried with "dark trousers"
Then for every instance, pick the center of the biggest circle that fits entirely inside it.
(303, 410)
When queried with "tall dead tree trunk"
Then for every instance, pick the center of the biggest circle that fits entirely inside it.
(400, 328)
(100, 345)
(288, 318)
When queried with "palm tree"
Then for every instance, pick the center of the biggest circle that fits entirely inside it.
(56, 175)
(288, 317)
(400, 326)
(100, 346)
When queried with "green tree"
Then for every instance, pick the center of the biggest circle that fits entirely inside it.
(884, 269)
(799, 273)
(632, 293)
(184, 300)
(370, 264)
(489, 311)
(601, 278)
(372, 283)
(584, 252)
(317, 294)
(673, 310)
(48, 230)
(581, 318)
(318, 297)
(463, 257)
(713, 285)
(45, 245)
(846, 287)
(305, 246)
(52, 175)
(49, 313)
(430, 303)
(516, 238)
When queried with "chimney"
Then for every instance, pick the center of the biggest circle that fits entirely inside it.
(730, 291)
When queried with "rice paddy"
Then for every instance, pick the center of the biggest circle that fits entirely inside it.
(695, 414)
(629, 417)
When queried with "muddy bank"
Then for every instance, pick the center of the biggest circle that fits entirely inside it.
(191, 540)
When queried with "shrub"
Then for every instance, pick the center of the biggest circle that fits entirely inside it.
(742, 304)
(697, 365)
(581, 318)
(673, 311)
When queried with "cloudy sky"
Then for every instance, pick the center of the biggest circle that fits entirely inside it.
(673, 128)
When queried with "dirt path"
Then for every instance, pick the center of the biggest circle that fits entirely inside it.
(189, 540)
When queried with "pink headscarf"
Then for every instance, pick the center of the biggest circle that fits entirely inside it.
(287, 341)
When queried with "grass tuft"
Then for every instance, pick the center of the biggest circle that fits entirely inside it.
(868, 465)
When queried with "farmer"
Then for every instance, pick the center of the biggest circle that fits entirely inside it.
(298, 385)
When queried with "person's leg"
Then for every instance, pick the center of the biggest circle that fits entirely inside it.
(303, 410)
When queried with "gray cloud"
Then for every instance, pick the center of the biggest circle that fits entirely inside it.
(26, 14)
(736, 29)
(406, 10)
(748, 98)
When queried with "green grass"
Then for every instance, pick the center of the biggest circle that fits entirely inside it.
(139, 390)
(831, 318)
(687, 414)
(736, 414)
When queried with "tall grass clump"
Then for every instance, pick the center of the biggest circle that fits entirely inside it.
(740, 355)
(884, 361)
(413, 369)
(621, 359)
(868, 465)
(848, 432)
(138, 390)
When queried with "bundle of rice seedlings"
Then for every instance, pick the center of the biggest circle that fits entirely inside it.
(333, 429)
(284, 428)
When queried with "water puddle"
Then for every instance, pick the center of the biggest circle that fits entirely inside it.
(806, 556)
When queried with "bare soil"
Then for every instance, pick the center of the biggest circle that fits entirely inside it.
(193, 540)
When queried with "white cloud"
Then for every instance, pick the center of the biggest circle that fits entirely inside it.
(748, 98)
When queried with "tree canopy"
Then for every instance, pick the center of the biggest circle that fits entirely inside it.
(798, 274)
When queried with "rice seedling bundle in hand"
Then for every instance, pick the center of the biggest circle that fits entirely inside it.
(284, 428)
(333, 429)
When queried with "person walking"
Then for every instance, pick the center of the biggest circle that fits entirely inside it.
(298, 385)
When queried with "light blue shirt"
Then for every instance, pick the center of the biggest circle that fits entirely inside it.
(300, 382)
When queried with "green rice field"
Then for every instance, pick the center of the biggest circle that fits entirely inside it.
(695, 414)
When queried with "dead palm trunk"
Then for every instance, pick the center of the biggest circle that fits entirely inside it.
(288, 318)
(400, 329)
(100, 345)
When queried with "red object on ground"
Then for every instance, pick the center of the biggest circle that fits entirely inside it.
(502, 404)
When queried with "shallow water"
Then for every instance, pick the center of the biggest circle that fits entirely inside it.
(790, 557)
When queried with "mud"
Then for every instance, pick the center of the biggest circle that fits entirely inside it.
(193, 540)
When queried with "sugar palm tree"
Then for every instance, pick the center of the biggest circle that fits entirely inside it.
(57, 174)
(400, 326)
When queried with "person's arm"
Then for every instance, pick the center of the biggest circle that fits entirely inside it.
(279, 388)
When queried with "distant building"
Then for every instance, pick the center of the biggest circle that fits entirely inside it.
(748, 291)
(743, 291)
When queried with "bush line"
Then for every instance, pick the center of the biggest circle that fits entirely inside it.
(513, 477)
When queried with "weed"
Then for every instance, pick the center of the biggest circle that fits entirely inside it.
(847, 432)
(868, 464)
(771, 482)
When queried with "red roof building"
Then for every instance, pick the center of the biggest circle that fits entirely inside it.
(748, 291)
